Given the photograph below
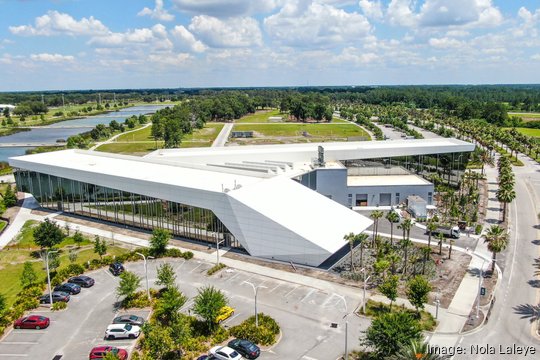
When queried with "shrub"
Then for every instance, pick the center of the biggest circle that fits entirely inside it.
(138, 300)
(214, 269)
(220, 336)
(59, 305)
(478, 229)
(265, 334)
(187, 255)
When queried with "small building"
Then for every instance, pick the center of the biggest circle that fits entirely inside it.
(242, 134)
(417, 206)
(3, 107)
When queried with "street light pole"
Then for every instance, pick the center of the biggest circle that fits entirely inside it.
(480, 280)
(255, 292)
(364, 292)
(146, 274)
(217, 247)
(49, 275)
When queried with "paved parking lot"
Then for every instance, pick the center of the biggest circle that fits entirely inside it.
(304, 314)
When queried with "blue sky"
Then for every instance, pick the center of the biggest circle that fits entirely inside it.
(97, 44)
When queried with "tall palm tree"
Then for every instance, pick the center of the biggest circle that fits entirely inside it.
(486, 158)
(497, 240)
(350, 237)
(416, 350)
(505, 195)
(361, 238)
(405, 244)
(406, 226)
(440, 238)
(375, 215)
(431, 227)
(452, 242)
(393, 257)
(392, 217)
(426, 251)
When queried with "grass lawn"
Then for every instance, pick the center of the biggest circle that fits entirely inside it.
(2, 225)
(526, 116)
(260, 116)
(374, 308)
(141, 142)
(12, 258)
(528, 132)
(314, 130)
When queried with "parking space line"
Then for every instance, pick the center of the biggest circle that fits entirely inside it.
(178, 267)
(229, 319)
(38, 332)
(274, 288)
(290, 292)
(308, 295)
(232, 277)
(14, 355)
(19, 342)
(195, 268)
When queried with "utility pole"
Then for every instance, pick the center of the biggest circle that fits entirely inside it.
(42, 99)
(99, 98)
(63, 103)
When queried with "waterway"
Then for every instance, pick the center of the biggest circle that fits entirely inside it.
(54, 132)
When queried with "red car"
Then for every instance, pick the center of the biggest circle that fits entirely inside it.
(99, 352)
(32, 322)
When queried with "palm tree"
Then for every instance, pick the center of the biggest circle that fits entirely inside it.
(416, 350)
(393, 257)
(486, 158)
(426, 251)
(375, 215)
(440, 238)
(361, 238)
(505, 195)
(392, 217)
(350, 238)
(431, 227)
(497, 240)
(452, 242)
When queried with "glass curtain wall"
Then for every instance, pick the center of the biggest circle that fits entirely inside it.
(121, 207)
(439, 168)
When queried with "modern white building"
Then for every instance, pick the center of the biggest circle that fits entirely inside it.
(6, 106)
(249, 197)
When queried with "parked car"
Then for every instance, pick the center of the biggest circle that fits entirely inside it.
(225, 353)
(99, 352)
(224, 313)
(56, 296)
(116, 268)
(69, 288)
(122, 331)
(32, 322)
(82, 281)
(245, 347)
(206, 357)
(129, 319)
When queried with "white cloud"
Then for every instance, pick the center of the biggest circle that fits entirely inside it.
(304, 23)
(170, 59)
(230, 8)
(155, 37)
(372, 9)
(158, 13)
(186, 40)
(231, 32)
(355, 56)
(52, 58)
(445, 43)
(400, 12)
(536, 57)
(56, 23)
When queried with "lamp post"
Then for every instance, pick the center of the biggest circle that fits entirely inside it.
(346, 327)
(48, 274)
(255, 292)
(480, 280)
(364, 292)
(146, 273)
(217, 247)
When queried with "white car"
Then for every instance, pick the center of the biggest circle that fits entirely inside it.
(225, 353)
(122, 331)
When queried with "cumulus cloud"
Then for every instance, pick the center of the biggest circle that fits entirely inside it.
(400, 12)
(445, 43)
(230, 8)
(355, 56)
(52, 58)
(158, 12)
(155, 37)
(231, 32)
(186, 40)
(536, 57)
(56, 23)
(170, 59)
(372, 9)
(307, 23)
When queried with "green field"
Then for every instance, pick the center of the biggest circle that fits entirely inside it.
(333, 131)
(141, 142)
(529, 132)
(260, 116)
(526, 116)
(12, 259)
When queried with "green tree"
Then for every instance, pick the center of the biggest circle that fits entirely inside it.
(158, 242)
(207, 305)
(100, 246)
(128, 285)
(111, 356)
(375, 215)
(3, 304)
(48, 234)
(418, 289)
(72, 256)
(158, 340)
(505, 195)
(416, 350)
(497, 240)
(9, 198)
(440, 241)
(431, 227)
(168, 306)
(78, 238)
(390, 331)
(166, 276)
(392, 218)
(350, 239)
(389, 288)
(28, 275)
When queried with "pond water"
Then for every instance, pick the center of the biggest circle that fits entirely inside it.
(58, 131)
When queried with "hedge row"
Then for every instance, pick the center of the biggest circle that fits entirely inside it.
(264, 334)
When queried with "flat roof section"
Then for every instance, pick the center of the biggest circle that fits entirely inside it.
(386, 180)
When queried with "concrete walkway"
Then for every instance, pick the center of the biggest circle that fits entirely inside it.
(110, 140)
(223, 136)
(23, 216)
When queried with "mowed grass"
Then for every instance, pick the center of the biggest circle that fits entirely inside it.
(13, 256)
(295, 129)
(141, 142)
(529, 132)
(526, 116)
(261, 116)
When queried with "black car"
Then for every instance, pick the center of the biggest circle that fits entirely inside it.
(116, 268)
(129, 319)
(56, 296)
(245, 348)
(69, 288)
(82, 281)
